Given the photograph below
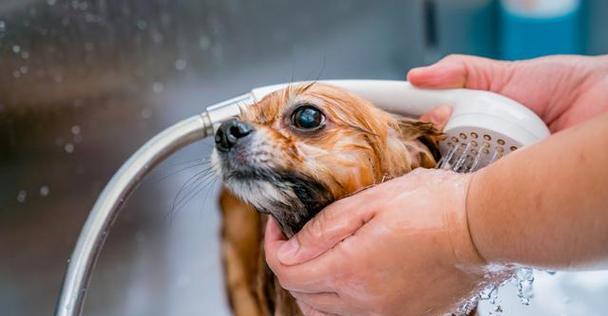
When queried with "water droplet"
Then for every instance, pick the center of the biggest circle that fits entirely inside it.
(204, 42)
(140, 237)
(2, 26)
(522, 279)
(75, 129)
(180, 64)
(525, 278)
(142, 24)
(25, 55)
(90, 18)
(165, 19)
(16, 74)
(69, 148)
(44, 190)
(466, 307)
(158, 87)
(16, 49)
(490, 294)
(51, 2)
(157, 37)
(146, 113)
(22, 196)
(23, 69)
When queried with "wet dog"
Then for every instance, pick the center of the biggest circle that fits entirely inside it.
(293, 153)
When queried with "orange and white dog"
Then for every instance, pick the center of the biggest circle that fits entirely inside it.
(291, 154)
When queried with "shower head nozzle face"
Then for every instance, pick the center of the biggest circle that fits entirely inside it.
(476, 136)
(467, 149)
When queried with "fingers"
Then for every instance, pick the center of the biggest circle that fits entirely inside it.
(439, 116)
(328, 303)
(332, 225)
(308, 310)
(312, 277)
(461, 71)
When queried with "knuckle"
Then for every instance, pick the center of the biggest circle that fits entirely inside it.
(453, 57)
(272, 262)
(284, 281)
(317, 227)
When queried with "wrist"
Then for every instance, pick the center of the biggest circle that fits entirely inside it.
(463, 245)
(475, 204)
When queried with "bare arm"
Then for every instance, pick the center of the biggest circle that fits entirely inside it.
(546, 205)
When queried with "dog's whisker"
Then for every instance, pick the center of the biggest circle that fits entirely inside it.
(183, 166)
(211, 183)
(189, 162)
(198, 188)
(176, 172)
(179, 195)
(200, 180)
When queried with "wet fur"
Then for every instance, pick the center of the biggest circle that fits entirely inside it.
(292, 175)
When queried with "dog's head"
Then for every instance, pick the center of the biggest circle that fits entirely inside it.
(301, 148)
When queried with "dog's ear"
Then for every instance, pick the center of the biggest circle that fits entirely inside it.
(425, 132)
(410, 128)
(428, 130)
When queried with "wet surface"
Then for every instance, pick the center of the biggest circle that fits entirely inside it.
(84, 83)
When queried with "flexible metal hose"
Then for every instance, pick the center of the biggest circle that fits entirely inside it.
(108, 205)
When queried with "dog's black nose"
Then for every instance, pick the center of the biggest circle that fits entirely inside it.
(229, 134)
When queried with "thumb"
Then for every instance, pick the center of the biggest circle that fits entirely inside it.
(438, 116)
(462, 71)
(333, 224)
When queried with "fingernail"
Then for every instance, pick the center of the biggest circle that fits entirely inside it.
(420, 75)
(288, 250)
(418, 69)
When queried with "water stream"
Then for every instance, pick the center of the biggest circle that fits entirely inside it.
(464, 159)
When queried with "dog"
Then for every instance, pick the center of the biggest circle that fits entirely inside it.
(291, 154)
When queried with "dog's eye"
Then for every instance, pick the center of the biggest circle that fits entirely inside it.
(307, 118)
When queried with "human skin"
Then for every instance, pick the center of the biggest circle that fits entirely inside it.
(562, 90)
(419, 244)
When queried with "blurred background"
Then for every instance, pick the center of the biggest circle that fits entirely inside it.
(84, 83)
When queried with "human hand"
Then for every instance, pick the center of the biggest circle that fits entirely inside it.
(562, 90)
(400, 248)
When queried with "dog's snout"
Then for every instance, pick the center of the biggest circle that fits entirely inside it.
(230, 133)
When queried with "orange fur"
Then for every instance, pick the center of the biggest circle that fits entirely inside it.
(359, 146)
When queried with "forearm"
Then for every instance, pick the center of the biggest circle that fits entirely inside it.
(546, 205)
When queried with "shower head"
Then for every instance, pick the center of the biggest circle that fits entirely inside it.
(483, 127)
